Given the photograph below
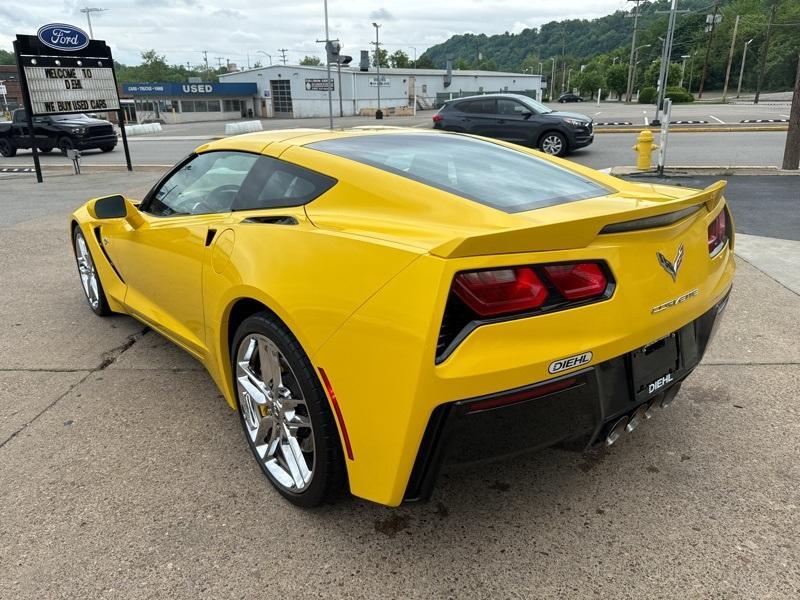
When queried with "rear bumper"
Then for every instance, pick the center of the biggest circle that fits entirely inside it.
(581, 406)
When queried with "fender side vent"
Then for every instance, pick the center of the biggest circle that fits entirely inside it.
(270, 220)
(99, 237)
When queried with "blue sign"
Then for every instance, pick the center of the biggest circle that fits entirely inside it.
(61, 36)
(190, 89)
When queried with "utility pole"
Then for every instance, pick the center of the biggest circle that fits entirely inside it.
(283, 54)
(219, 60)
(205, 61)
(683, 67)
(564, 58)
(708, 49)
(741, 69)
(665, 56)
(791, 154)
(629, 89)
(378, 113)
(552, 79)
(764, 53)
(730, 60)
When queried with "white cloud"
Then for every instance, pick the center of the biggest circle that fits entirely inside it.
(182, 29)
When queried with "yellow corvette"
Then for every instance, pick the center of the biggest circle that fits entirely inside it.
(378, 302)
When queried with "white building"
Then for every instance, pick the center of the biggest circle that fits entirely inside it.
(300, 91)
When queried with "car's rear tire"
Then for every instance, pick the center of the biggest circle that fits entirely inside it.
(285, 414)
(90, 278)
(553, 142)
(65, 144)
(108, 148)
(7, 148)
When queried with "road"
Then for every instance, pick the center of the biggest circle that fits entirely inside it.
(125, 475)
(609, 150)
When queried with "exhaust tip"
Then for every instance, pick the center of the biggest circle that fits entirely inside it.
(616, 431)
(636, 418)
(649, 411)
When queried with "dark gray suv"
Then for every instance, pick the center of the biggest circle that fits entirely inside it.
(518, 119)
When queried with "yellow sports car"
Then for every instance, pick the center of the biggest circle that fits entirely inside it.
(378, 302)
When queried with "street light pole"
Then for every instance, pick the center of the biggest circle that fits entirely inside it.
(378, 66)
(552, 79)
(269, 56)
(741, 69)
(665, 56)
(629, 91)
(88, 12)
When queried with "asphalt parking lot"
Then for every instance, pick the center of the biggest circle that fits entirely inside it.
(125, 475)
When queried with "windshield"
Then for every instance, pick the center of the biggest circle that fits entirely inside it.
(487, 173)
(536, 105)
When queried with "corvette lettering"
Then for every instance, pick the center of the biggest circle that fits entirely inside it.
(675, 301)
(570, 362)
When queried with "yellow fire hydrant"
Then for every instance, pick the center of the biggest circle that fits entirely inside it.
(644, 148)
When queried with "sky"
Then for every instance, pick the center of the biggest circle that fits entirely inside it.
(236, 30)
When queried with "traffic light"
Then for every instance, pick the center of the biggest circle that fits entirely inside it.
(332, 49)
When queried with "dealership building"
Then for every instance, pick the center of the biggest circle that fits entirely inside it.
(286, 91)
(187, 102)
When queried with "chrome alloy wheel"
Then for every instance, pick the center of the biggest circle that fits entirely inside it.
(552, 144)
(275, 413)
(87, 271)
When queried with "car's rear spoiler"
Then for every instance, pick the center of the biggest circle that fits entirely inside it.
(579, 223)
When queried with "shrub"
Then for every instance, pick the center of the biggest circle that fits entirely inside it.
(679, 95)
(647, 95)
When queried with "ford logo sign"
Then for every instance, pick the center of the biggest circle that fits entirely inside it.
(61, 36)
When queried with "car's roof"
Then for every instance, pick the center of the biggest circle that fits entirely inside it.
(480, 96)
(284, 138)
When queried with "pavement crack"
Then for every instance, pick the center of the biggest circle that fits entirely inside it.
(763, 272)
(109, 358)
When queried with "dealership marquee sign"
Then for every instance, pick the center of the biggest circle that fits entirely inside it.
(63, 71)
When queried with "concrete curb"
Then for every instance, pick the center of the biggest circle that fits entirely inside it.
(86, 169)
(709, 170)
(691, 129)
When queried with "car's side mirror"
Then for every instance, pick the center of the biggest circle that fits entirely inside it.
(108, 207)
(115, 207)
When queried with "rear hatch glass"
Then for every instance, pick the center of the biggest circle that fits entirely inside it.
(487, 173)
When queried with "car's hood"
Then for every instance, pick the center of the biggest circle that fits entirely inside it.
(570, 115)
(79, 123)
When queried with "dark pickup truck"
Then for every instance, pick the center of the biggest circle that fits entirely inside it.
(64, 132)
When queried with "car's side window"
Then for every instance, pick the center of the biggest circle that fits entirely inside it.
(209, 183)
(509, 107)
(482, 107)
(274, 183)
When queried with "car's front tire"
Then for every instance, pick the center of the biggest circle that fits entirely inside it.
(107, 148)
(90, 279)
(553, 142)
(65, 144)
(285, 414)
(7, 148)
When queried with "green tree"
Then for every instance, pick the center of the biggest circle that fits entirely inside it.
(424, 62)
(384, 57)
(462, 65)
(588, 82)
(617, 79)
(399, 60)
(310, 61)
(652, 72)
(7, 58)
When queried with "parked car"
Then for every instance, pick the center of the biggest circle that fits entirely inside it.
(518, 119)
(374, 303)
(569, 97)
(64, 132)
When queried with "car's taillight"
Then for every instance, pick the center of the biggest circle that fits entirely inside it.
(577, 281)
(500, 291)
(718, 233)
(437, 117)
